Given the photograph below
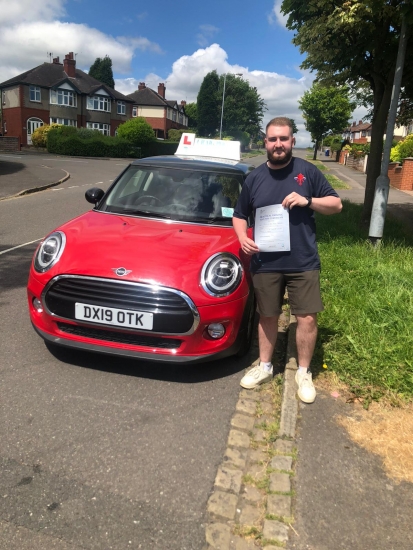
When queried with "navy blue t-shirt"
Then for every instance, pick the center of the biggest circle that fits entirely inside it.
(264, 187)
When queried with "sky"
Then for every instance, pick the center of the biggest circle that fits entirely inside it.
(174, 43)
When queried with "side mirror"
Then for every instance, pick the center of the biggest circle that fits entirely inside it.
(94, 195)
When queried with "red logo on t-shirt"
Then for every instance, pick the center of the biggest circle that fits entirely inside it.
(300, 179)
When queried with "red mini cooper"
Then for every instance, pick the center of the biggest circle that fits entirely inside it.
(154, 271)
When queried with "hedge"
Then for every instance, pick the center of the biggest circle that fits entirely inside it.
(65, 140)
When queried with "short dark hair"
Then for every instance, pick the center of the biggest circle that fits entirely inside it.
(280, 121)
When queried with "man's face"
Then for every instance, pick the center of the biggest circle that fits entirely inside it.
(279, 144)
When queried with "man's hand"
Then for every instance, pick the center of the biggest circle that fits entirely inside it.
(248, 245)
(294, 199)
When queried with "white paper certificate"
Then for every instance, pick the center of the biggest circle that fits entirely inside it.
(272, 228)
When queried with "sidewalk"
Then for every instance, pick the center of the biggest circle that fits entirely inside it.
(19, 178)
(343, 497)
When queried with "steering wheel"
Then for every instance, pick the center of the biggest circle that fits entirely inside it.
(150, 198)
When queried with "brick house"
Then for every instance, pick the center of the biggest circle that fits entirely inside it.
(160, 113)
(361, 132)
(58, 92)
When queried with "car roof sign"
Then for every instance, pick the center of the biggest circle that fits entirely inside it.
(208, 149)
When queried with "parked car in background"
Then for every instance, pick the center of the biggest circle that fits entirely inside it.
(155, 269)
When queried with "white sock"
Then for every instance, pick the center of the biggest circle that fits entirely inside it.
(267, 367)
(302, 370)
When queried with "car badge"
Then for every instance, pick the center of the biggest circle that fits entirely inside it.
(121, 271)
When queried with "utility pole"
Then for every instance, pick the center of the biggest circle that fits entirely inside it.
(381, 194)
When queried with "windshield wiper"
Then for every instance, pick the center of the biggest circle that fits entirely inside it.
(143, 213)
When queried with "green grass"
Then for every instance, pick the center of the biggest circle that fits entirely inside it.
(335, 182)
(253, 153)
(366, 330)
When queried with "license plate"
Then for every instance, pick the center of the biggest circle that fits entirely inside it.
(113, 316)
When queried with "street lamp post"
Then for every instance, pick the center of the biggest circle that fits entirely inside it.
(223, 99)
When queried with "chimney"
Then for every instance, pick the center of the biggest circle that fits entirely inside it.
(354, 123)
(141, 86)
(56, 61)
(183, 103)
(69, 65)
(161, 89)
(360, 122)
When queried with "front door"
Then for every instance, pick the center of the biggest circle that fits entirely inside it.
(32, 125)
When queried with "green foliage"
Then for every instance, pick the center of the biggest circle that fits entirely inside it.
(65, 140)
(191, 112)
(175, 135)
(325, 110)
(39, 136)
(137, 131)
(295, 129)
(207, 105)
(87, 133)
(360, 149)
(333, 141)
(402, 150)
(101, 69)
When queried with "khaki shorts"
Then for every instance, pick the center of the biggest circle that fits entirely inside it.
(303, 292)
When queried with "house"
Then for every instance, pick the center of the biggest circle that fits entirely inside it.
(58, 92)
(160, 113)
(361, 132)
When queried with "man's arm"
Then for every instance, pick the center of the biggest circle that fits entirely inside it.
(248, 245)
(324, 205)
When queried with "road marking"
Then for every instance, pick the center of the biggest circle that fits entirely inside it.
(19, 246)
(60, 189)
(13, 156)
(72, 186)
(70, 160)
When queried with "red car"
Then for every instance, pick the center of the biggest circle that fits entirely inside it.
(154, 271)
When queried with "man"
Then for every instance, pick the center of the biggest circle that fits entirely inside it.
(302, 189)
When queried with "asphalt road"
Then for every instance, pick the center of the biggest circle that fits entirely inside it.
(98, 452)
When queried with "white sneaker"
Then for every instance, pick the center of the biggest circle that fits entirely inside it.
(306, 390)
(256, 376)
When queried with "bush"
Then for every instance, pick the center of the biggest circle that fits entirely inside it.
(137, 131)
(39, 136)
(63, 142)
(175, 135)
(88, 133)
(402, 149)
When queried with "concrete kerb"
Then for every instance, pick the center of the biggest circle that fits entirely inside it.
(36, 189)
(251, 502)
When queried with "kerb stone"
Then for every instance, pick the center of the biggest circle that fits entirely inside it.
(283, 446)
(250, 515)
(280, 482)
(275, 530)
(282, 463)
(228, 480)
(279, 505)
(222, 504)
(218, 536)
(238, 439)
(242, 422)
(246, 406)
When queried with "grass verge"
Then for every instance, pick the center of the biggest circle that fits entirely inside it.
(366, 330)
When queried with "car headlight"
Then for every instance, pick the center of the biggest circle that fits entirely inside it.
(221, 274)
(49, 251)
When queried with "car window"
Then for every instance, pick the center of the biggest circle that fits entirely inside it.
(187, 195)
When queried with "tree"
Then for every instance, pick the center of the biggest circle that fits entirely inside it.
(355, 42)
(207, 105)
(191, 112)
(101, 69)
(137, 131)
(295, 129)
(325, 110)
(243, 106)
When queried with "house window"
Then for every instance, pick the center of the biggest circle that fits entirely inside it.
(34, 93)
(103, 128)
(63, 97)
(97, 103)
(363, 133)
(121, 108)
(174, 116)
(134, 111)
(64, 121)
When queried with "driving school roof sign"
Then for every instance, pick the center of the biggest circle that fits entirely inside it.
(191, 146)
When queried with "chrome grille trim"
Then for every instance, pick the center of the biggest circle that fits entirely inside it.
(153, 288)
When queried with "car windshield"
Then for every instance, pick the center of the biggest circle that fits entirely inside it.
(177, 194)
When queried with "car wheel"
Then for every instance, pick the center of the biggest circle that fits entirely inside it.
(246, 344)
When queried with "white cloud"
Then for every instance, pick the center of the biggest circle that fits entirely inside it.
(280, 93)
(276, 16)
(28, 30)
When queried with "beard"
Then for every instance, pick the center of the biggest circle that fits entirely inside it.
(280, 161)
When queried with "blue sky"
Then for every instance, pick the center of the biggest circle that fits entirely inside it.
(174, 43)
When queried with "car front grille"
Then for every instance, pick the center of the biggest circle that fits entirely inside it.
(173, 313)
(120, 337)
